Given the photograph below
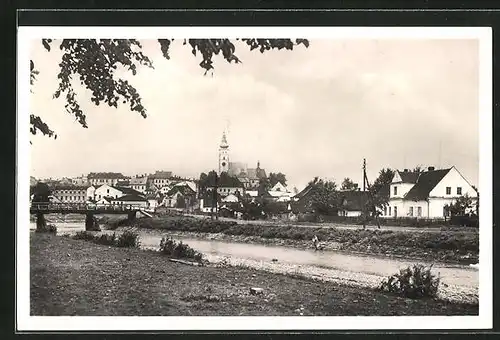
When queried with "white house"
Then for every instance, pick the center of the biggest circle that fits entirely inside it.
(206, 205)
(424, 194)
(106, 190)
(130, 199)
(91, 193)
(280, 193)
(230, 198)
(139, 183)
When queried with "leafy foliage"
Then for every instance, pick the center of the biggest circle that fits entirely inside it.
(462, 206)
(94, 61)
(348, 184)
(176, 249)
(379, 191)
(324, 198)
(413, 282)
(277, 177)
(128, 239)
(41, 193)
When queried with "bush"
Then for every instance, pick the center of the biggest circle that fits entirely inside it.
(84, 235)
(413, 282)
(176, 249)
(109, 240)
(128, 239)
(49, 228)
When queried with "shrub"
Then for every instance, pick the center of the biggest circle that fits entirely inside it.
(176, 249)
(412, 282)
(109, 240)
(84, 235)
(128, 239)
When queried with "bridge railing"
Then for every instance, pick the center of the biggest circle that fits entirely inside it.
(83, 206)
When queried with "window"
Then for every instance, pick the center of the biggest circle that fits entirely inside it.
(419, 211)
(395, 211)
(395, 190)
(107, 191)
(385, 211)
(448, 190)
(459, 191)
(390, 212)
(410, 212)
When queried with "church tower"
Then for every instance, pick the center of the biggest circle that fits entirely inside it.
(223, 155)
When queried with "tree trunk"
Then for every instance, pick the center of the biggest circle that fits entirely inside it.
(41, 223)
(91, 223)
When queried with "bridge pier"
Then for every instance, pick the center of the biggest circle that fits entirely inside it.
(91, 223)
(132, 215)
(41, 223)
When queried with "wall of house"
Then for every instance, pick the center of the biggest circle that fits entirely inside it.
(403, 208)
(203, 208)
(403, 189)
(107, 191)
(90, 193)
(139, 187)
(224, 191)
(453, 180)
(141, 204)
(347, 213)
(100, 181)
(70, 195)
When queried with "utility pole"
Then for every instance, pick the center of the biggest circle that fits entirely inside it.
(364, 196)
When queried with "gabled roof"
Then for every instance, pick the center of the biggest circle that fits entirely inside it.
(426, 182)
(138, 180)
(304, 191)
(161, 175)
(106, 175)
(409, 176)
(130, 198)
(182, 189)
(128, 191)
(353, 200)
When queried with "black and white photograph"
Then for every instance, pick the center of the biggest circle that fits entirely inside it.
(334, 177)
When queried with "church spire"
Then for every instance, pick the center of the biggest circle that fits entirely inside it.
(223, 143)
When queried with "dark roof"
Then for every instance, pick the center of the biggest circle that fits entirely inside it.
(108, 175)
(123, 182)
(304, 191)
(161, 175)
(130, 198)
(128, 191)
(426, 182)
(64, 186)
(409, 176)
(353, 200)
(183, 189)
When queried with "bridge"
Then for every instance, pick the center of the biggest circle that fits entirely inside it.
(40, 209)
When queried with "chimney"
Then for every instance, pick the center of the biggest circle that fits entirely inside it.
(431, 168)
(405, 170)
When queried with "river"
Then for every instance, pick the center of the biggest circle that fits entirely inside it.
(456, 275)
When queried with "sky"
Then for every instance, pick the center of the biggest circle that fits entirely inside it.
(309, 112)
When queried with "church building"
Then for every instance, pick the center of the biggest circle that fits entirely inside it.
(249, 177)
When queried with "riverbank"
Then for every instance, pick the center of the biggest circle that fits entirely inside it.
(71, 277)
(444, 246)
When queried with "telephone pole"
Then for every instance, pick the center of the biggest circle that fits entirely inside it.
(364, 196)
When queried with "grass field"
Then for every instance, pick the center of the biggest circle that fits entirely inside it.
(73, 277)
